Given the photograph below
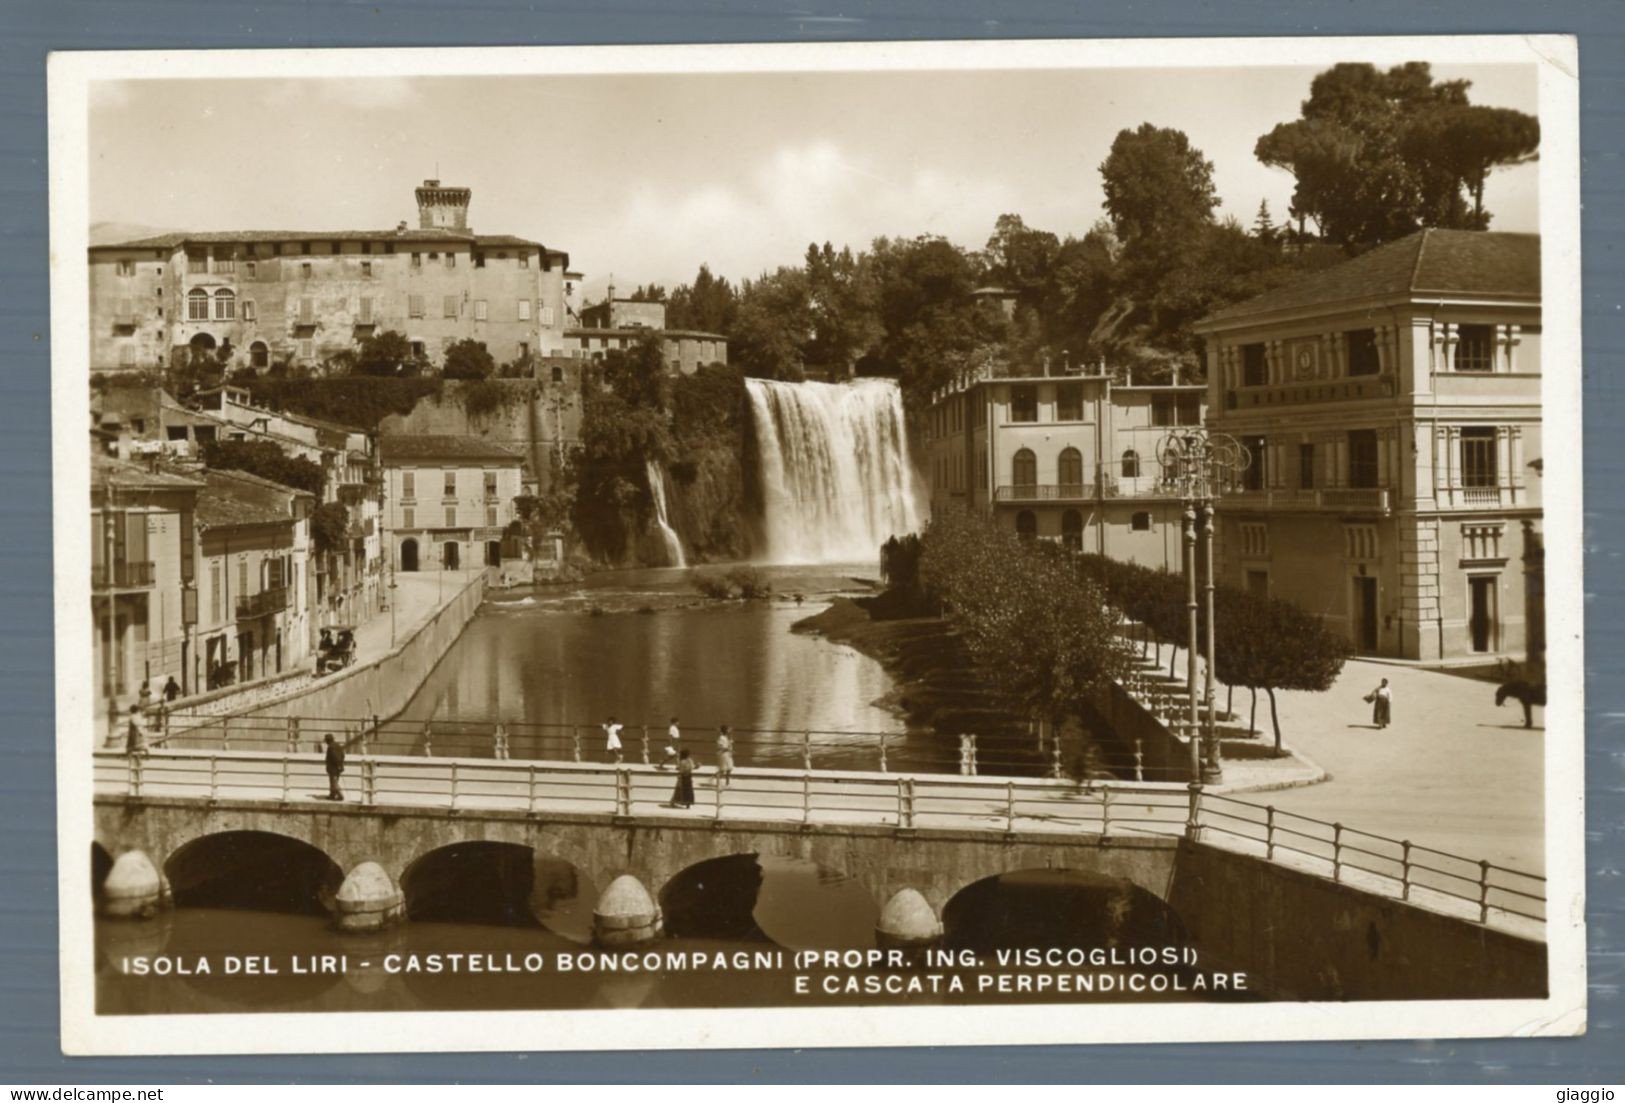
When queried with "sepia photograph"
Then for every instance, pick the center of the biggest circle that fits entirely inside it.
(817, 545)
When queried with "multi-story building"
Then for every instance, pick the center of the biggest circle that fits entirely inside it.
(621, 323)
(143, 562)
(256, 614)
(1070, 458)
(1391, 407)
(264, 297)
(448, 499)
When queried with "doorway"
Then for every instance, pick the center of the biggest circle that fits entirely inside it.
(448, 557)
(409, 555)
(1365, 614)
(1481, 611)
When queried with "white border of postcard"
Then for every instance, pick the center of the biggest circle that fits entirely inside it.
(71, 76)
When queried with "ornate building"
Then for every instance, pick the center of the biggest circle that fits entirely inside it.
(1391, 406)
(266, 297)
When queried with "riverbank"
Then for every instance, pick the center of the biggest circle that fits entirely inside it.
(937, 684)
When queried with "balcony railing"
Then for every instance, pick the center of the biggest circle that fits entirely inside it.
(1336, 499)
(262, 604)
(121, 575)
(1045, 492)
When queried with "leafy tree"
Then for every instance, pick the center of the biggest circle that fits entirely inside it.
(639, 374)
(1271, 644)
(708, 304)
(1378, 155)
(468, 359)
(1159, 188)
(329, 528)
(1019, 258)
(842, 321)
(267, 460)
(772, 326)
(386, 353)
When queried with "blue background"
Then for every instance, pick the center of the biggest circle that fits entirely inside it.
(29, 1051)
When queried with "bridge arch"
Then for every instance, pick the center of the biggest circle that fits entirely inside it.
(472, 881)
(1059, 906)
(258, 869)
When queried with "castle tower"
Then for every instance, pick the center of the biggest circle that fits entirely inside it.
(442, 208)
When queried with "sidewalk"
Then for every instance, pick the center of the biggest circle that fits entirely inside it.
(417, 596)
(1452, 771)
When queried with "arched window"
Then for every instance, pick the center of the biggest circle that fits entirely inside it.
(1024, 468)
(225, 305)
(259, 355)
(1131, 464)
(1072, 529)
(1071, 467)
(197, 305)
(1026, 525)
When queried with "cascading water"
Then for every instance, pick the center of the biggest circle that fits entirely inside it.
(657, 490)
(835, 476)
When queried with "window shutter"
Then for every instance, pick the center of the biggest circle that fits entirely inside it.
(415, 305)
(307, 311)
(365, 316)
(248, 310)
(451, 306)
(479, 310)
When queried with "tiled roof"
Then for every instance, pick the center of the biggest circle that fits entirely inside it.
(1445, 263)
(635, 331)
(110, 471)
(238, 498)
(232, 237)
(397, 447)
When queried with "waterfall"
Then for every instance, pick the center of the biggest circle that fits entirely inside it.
(657, 491)
(835, 476)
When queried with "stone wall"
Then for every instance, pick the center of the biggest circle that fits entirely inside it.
(534, 414)
(381, 687)
(1122, 723)
(1301, 936)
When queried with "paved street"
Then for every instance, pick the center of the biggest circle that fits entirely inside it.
(417, 596)
(1452, 771)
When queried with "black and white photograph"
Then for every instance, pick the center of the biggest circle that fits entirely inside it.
(809, 545)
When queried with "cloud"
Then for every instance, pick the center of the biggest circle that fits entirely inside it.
(796, 194)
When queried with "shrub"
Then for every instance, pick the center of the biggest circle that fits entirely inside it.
(750, 582)
(713, 586)
(468, 359)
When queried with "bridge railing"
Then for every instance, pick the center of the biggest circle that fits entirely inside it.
(1394, 867)
(1004, 753)
(1397, 868)
(904, 801)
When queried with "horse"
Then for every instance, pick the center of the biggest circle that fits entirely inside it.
(1527, 694)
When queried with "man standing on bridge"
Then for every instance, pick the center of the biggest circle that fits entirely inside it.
(335, 767)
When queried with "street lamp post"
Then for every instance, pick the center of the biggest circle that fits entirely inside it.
(1198, 465)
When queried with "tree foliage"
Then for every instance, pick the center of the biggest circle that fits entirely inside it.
(387, 353)
(1039, 628)
(1378, 155)
(267, 460)
(329, 528)
(468, 359)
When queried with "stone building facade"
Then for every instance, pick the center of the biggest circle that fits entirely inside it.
(300, 297)
(1069, 458)
(448, 500)
(621, 323)
(1391, 406)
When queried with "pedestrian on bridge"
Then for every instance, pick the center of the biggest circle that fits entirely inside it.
(683, 795)
(135, 734)
(725, 756)
(335, 767)
(669, 757)
(612, 739)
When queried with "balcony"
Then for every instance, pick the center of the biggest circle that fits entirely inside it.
(263, 604)
(1330, 499)
(1481, 497)
(121, 575)
(1046, 492)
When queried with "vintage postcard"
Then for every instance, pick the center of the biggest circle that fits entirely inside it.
(845, 544)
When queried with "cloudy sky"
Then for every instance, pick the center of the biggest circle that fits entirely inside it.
(646, 176)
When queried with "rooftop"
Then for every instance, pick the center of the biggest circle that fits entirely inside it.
(399, 447)
(109, 471)
(238, 498)
(1428, 264)
(410, 234)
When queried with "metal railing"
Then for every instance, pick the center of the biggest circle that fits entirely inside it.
(262, 604)
(1478, 890)
(121, 573)
(1392, 867)
(1030, 754)
(830, 798)
(1365, 499)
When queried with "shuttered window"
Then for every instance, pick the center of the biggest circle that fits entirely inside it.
(414, 306)
(479, 310)
(307, 312)
(547, 315)
(524, 310)
(364, 313)
(451, 306)
(249, 310)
